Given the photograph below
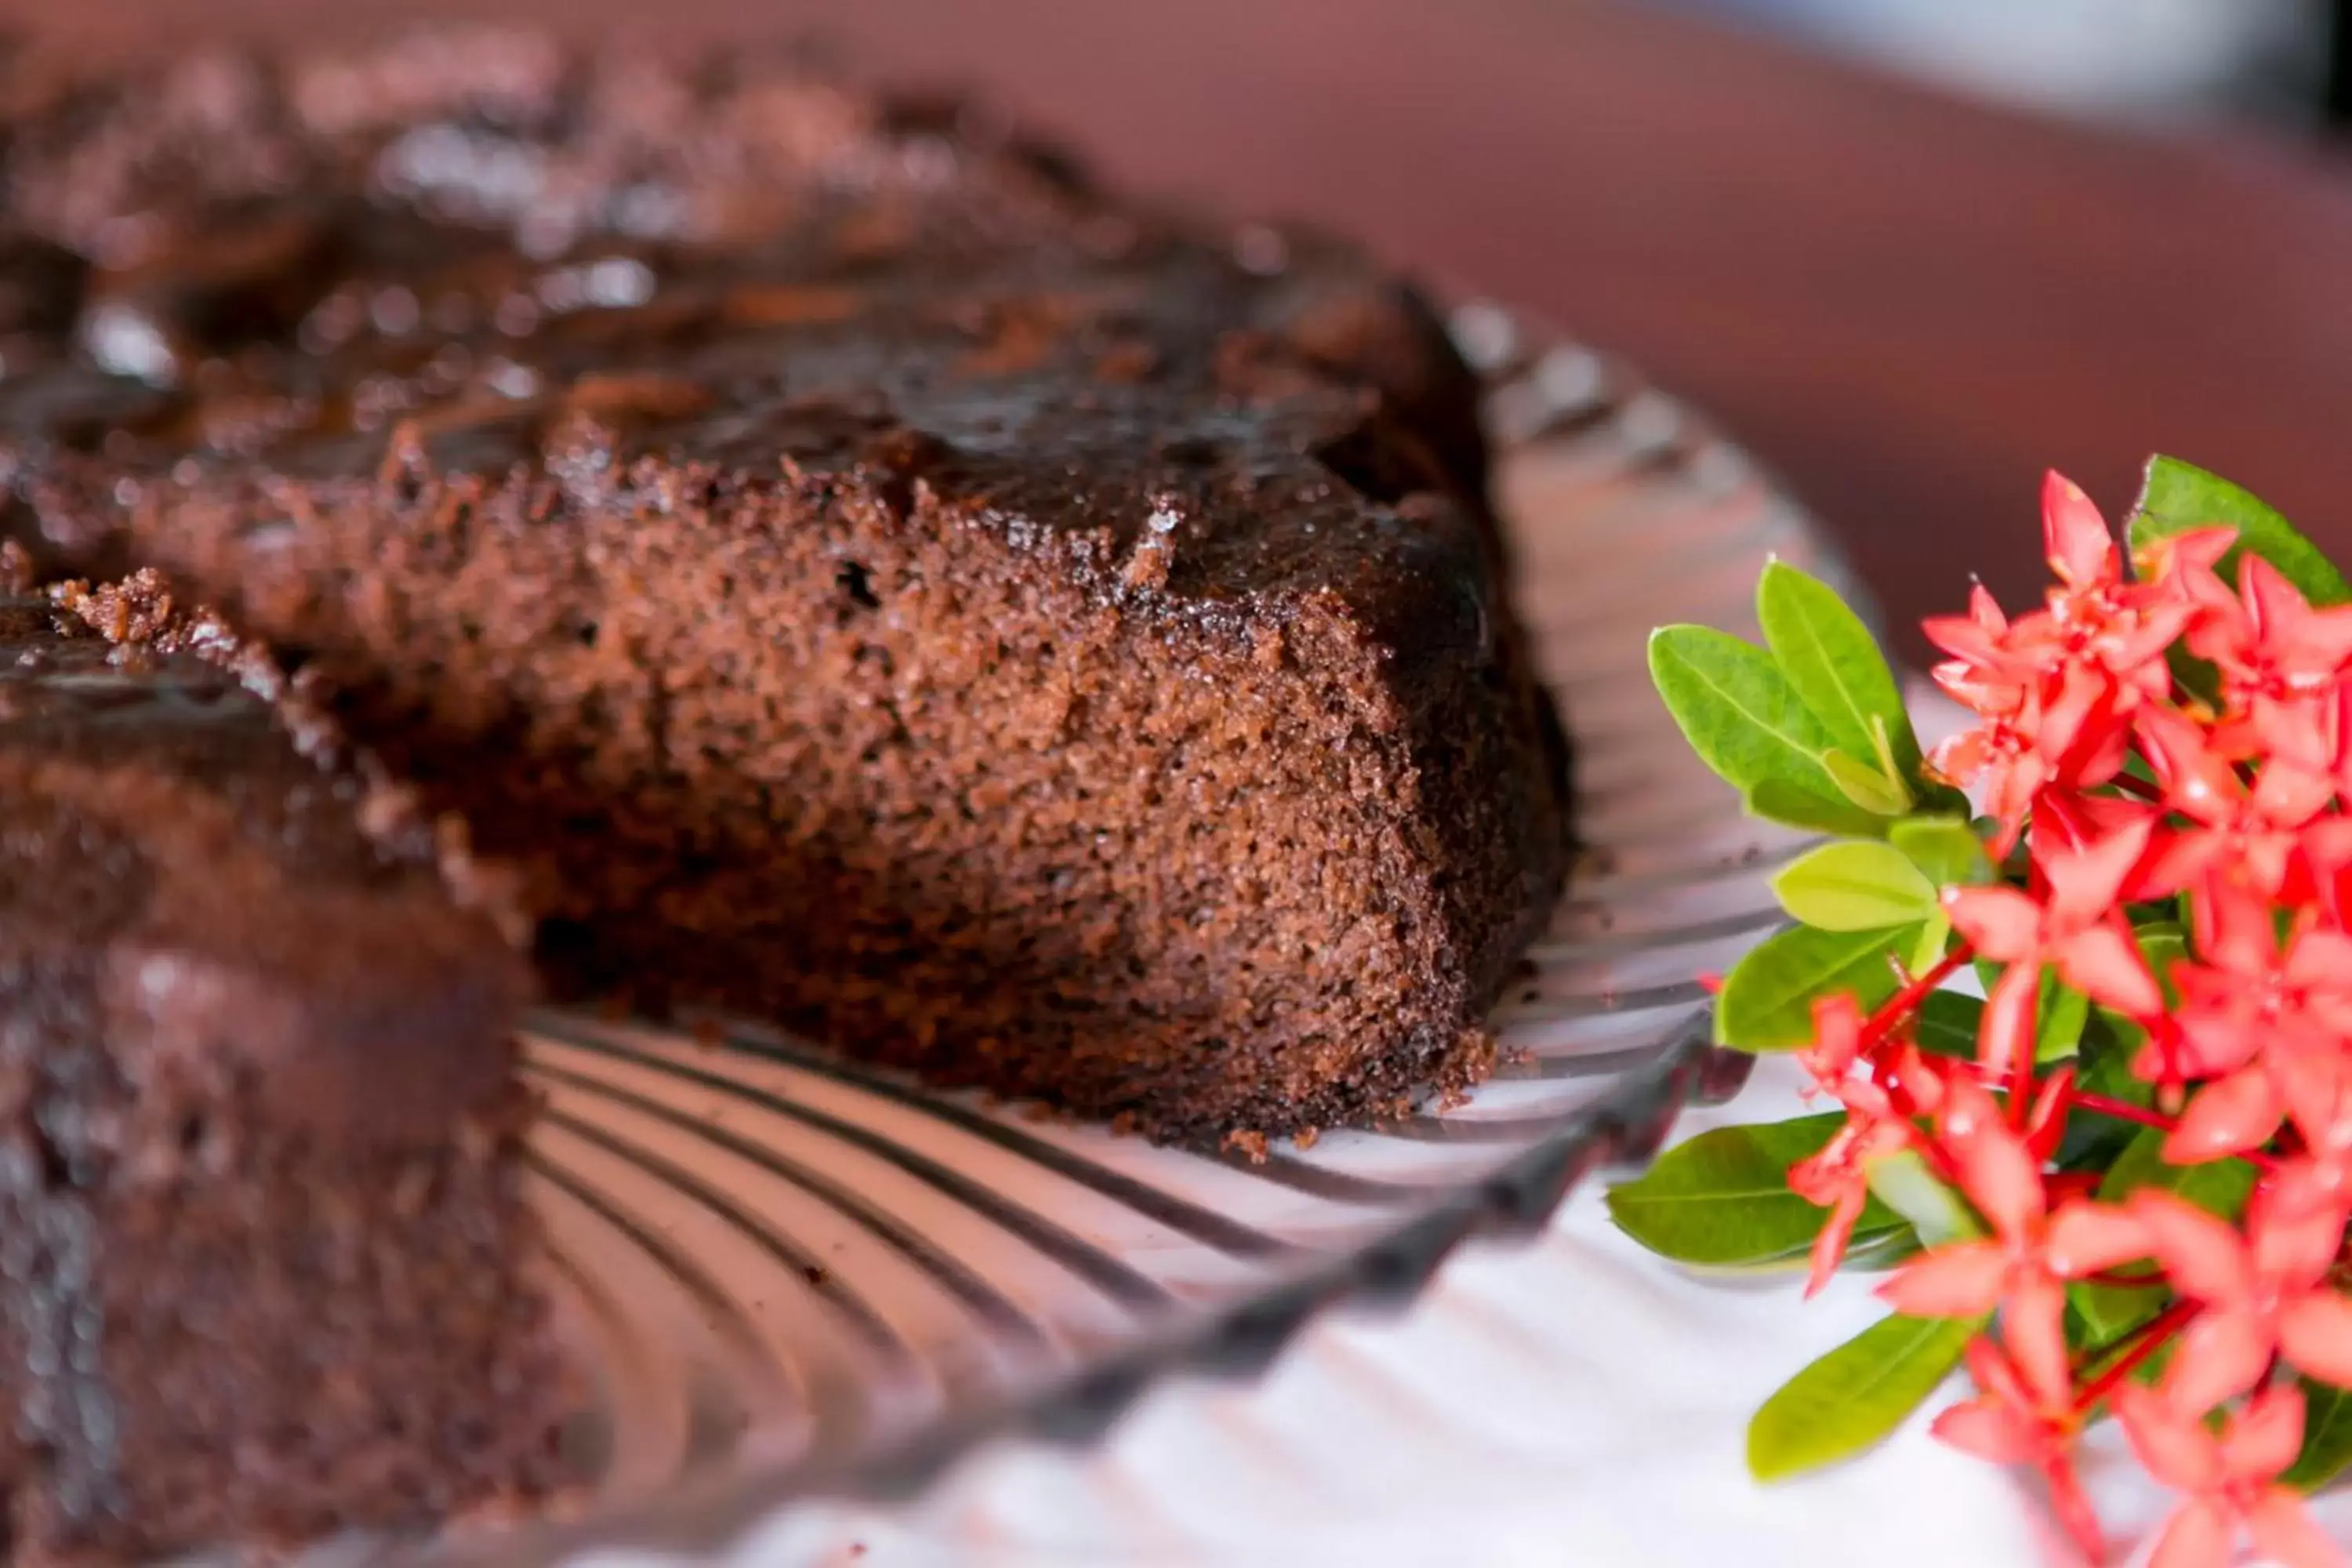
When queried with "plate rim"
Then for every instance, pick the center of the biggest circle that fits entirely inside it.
(710, 1516)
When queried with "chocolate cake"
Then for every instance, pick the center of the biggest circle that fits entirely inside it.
(863, 575)
(267, 1267)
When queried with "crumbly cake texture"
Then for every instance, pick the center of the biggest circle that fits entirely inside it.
(864, 575)
(269, 1272)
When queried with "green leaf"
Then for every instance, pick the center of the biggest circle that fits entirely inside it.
(1834, 663)
(2104, 1066)
(1947, 1024)
(1767, 1002)
(1722, 1199)
(1853, 1397)
(2060, 1011)
(1903, 1182)
(2220, 1187)
(1737, 711)
(1934, 937)
(1777, 800)
(2326, 1435)
(1857, 885)
(2104, 1314)
(2163, 944)
(2178, 498)
(1866, 786)
(1945, 849)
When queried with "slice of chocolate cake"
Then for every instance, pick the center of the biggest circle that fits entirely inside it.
(266, 1260)
(867, 577)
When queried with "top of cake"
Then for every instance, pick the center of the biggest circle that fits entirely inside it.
(232, 265)
(860, 572)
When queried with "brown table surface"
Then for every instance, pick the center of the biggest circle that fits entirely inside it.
(1907, 304)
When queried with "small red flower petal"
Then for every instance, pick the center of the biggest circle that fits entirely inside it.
(2205, 1256)
(2085, 1237)
(2284, 1534)
(1961, 1280)
(2228, 1116)
(2314, 1333)
(2074, 536)
(2198, 1535)
(2223, 1353)
(2001, 923)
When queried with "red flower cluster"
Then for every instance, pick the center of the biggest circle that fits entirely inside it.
(2164, 736)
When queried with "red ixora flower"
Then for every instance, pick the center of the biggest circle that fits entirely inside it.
(1878, 1111)
(2229, 1480)
(2278, 660)
(2022, 1267)
(2016, 1420)
(2264, 1290)
(2265, 1020)
(2170, 747)
(2057, 686)
(2079, 928)
(2252, 834)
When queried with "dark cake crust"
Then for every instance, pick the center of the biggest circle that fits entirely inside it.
(267, 1269)
(866, 576)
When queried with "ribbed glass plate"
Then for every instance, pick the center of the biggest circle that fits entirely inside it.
(795, 1275)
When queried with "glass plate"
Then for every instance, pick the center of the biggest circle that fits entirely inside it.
(795, 1275)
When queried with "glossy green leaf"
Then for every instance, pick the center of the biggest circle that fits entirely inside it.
(1945, 849)
(1855, 1395)
(1857, 885)
(2326, 1435)
(1777, 800)
(2179, 497)
(1835, 665)
(1737, 711)
(1939, 1215)
(1934, 941)
(2219, 1186)
(2060, 1011)
(1767, 1002)
(2163, 944)
(1865, 784)
(1722, 1199)
(1947, 1024)
(2103, 1067)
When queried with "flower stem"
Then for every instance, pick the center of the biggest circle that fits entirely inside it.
(2131, 783)
(2127, 1281)
(1903, 1002)
(2146, 1341)
(2122, 1111)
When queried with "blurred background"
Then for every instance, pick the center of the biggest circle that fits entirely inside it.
(2156, 61)
(1912, 252)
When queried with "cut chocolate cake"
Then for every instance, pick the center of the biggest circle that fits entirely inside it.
(268, 1266)
(865, 577)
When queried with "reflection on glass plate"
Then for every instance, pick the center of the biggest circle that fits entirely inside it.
(796, 1277)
